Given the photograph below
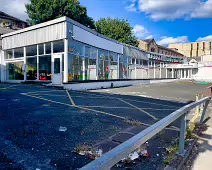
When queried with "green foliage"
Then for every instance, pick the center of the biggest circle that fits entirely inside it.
(44, 10)
(118, 29)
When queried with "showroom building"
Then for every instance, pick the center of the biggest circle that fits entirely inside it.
(62, 51)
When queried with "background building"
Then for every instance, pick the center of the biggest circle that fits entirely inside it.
(11, 22)
(194, 49)
(151, 46)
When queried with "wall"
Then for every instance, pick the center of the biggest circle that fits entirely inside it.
(204, 73)
(99, 85)
(142, 45)
(45, 32)
(96, 41)
(207, 58)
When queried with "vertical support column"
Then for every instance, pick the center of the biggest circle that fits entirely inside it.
(38, 62)
(166, 71)
(118, 66)
(172, 73)
(25, 65)
(3, 67)
(185, 73)
(181, 150)
(97, 63)
(142, 66)
(135, 66)
(160, 70)
(52, 61)
(148, 70)
(154, 69)
(65, 73)
(181, 73)
(83, 68)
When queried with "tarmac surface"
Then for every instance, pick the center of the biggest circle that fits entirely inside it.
(31, 116)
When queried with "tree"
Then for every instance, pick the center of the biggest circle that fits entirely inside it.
(118, 29)
(44, 10)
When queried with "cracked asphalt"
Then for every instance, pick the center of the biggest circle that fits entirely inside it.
(31, 115)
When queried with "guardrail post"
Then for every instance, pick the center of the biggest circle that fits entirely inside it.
(181, 150)
(197, 108)
(204, 111)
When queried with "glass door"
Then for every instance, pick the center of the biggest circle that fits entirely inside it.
(57, 69)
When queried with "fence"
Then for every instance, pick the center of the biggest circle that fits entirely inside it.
(112, 157)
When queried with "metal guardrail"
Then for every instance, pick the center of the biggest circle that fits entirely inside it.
(112, 157)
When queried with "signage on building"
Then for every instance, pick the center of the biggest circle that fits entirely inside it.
(70, 49)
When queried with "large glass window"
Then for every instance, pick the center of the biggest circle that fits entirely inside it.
(58, 46)
(31, 50)
(103, 72)
(31, 68)
(113, 56)
(123, 67)
(90, 69)
(45, 67)
(76, 47)
(48, 48)
(75, 68)
(15, 71)
(8, 54)
(41, 49)
(18, 52)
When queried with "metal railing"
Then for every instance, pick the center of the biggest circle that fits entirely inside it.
(112, 157)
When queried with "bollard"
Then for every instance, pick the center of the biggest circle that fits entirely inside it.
(202, 105)
(197, 108)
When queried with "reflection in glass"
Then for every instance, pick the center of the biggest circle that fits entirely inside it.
(15, 71)
(90, 69)
(31, 50)
(18, 52)
(8, 54)
(31, 68)
(56, 65)
(114, 70)
(75, 67)
(48, 48)
(41, 49)
(45, 68)
(58, 46)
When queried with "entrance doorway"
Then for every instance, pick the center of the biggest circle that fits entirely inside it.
(57, 69)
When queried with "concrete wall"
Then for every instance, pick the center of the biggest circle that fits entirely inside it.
(204, 73)
(109, 84)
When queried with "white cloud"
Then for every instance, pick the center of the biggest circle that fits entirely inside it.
(172, 9)
(15, 8)
(131, 8)
(171, 40)
(207, 38)
(140, 31)
(204, 11)
(149, 37)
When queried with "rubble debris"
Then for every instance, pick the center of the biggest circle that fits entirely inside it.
(133, 122)
(92, 153)
(62, 129)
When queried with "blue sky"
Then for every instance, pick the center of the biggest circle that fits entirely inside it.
(168, 21)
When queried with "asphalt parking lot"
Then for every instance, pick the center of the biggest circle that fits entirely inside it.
(31, 115)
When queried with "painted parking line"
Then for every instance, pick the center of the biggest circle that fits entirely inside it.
(52, 101)
(9, 87)
(70, 98)
(105, 113)
(152, 103)
(140, 109)
(117, 107)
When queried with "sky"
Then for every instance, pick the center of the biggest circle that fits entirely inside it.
(167, 21)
